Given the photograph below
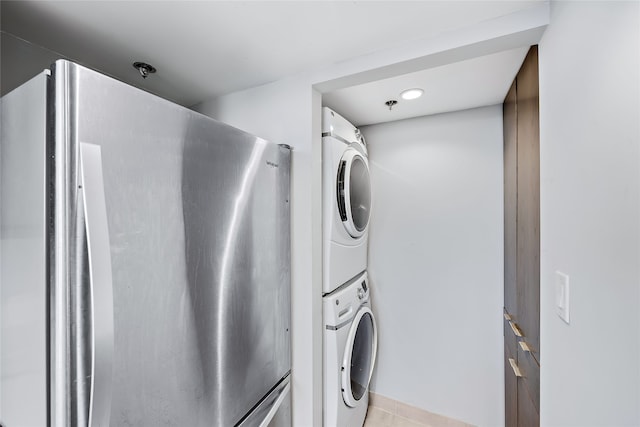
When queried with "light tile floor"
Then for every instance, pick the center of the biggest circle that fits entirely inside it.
(377, 417)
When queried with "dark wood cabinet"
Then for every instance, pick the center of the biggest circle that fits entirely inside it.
(510, 392)
(510, 159)
(528, 212)
(528, 414)
(522, 247)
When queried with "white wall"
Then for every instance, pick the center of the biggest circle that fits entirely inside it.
(436, 256)
(590, 215)
(21, 61)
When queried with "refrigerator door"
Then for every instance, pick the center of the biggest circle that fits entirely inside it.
(197, 221)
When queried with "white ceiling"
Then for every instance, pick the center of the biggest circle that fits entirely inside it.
(204, 49)
(466, 84)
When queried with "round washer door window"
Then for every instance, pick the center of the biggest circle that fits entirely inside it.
(354, 192)
(359, 357)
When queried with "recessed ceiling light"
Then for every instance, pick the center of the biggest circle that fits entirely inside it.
(411, 93)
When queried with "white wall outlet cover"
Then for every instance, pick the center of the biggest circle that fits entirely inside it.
(562, 296)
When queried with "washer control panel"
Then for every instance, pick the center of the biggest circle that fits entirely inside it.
(342, 304)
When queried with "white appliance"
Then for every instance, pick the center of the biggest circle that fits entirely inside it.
(350, 343)
(346, 200)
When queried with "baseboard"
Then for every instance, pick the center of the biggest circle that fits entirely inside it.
(412, 413)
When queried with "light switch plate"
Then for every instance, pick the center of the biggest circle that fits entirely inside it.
(562, 296)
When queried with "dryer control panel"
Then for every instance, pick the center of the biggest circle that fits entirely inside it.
(333, 124)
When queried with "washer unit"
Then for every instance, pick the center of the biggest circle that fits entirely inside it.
(346, 200)
(350, 344)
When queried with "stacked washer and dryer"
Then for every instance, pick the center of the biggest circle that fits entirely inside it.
(350, 333)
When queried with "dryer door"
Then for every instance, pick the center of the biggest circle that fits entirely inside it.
(359, 357)
(354, 192)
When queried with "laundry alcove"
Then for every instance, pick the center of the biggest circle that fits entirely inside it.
(436, 235)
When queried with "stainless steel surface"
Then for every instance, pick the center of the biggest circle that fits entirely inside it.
(23, 333)
(198, 220)
(101, 285)
(283, 416)
(280, 414)
(273, 409)
(68, 364)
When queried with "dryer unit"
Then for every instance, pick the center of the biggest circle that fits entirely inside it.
(350, 344)
(346, 200)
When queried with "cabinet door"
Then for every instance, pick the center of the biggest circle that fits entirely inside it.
(528, 415)
(530, 370)
(522, 246)
(528, 204)
(510, 160)
(510, 393)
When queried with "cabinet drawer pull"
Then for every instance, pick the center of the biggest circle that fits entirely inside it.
(515, 329)
(525, 347)
(507, 316)
(515, 368)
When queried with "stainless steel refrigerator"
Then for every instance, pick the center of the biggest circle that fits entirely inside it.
(145, 261)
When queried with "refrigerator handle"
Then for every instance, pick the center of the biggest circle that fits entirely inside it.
(284, 394)
(101, 285)
(278, 399)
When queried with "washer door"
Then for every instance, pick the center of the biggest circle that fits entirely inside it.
(354, 192)
(359, 357)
